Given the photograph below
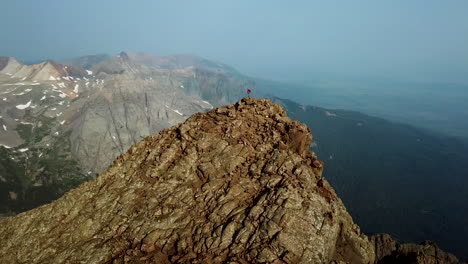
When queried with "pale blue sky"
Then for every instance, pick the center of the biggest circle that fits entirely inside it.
(266, 38)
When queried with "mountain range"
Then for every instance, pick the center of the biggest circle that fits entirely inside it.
(63, 123)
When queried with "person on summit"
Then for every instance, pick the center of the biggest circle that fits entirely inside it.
(248, 92)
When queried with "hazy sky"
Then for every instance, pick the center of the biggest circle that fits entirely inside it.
(267, 38)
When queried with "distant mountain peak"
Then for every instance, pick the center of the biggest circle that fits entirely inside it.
(42, 71)
(3, 62)
(124, 55)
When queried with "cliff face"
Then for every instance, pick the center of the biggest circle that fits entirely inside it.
(235, 184)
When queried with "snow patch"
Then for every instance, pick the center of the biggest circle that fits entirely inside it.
(43, 98)
(51, 78)
(5, 146)
(35, 83)
(76, 88)
(61, 102)
(89, 72)
(5, 128)
(63, 122)
(208, 103)
(56, 133)
(40, 154)
(66, 78)
(4, 98)
(63, 95)
(59, 114)
(61, 85)
(23, 149)
(178, 112)
(22, 107)
(24, 78)
(329, 113)
(28, 90)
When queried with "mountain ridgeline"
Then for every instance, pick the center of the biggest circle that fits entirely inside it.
(237, 184)
(62, 124)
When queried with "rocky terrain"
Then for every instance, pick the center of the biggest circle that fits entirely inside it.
(237, 184)
(62, 124)
(388, 251)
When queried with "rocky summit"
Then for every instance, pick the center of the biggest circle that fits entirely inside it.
(235, 185)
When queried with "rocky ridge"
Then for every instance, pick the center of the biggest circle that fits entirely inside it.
(237, 184)
(388, 251)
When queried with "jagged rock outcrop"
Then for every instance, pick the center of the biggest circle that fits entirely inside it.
(237, 185)
(384, 245)
(388, 251)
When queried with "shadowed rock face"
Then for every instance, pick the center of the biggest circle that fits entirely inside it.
(3, 62)
(388, 251)
(237, 184)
